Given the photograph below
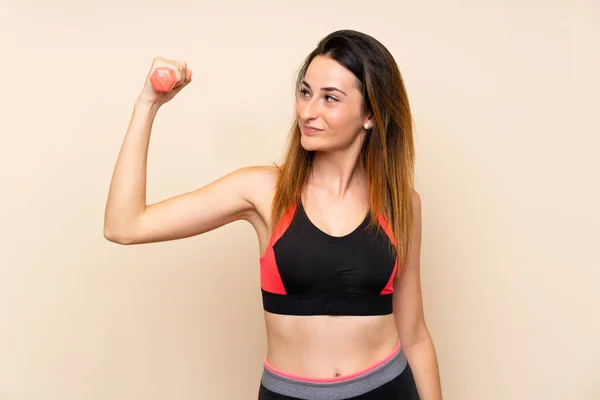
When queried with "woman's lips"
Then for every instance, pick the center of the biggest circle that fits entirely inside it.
(310, 129)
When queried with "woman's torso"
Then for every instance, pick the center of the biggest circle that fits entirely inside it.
(323, 346)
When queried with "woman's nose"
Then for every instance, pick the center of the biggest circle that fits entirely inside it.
(309, 110)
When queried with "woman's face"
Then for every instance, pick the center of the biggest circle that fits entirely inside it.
(330, 107)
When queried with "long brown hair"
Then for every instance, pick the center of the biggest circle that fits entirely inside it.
(388, 151)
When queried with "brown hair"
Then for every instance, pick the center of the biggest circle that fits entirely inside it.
(388, 150)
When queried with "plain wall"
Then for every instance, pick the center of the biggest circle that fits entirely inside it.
(505, 102)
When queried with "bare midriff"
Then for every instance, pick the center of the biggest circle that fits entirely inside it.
(328, 347)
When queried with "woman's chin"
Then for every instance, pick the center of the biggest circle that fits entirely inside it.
(311, 143)
(307, 142)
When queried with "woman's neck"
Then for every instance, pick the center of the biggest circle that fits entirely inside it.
(338, 173)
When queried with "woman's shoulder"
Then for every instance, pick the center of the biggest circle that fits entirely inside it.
(416, 198)
(257, 182)
(259, 175)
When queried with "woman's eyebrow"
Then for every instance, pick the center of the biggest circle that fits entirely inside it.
(327, 88)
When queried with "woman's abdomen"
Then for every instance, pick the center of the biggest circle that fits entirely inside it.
(325, 347)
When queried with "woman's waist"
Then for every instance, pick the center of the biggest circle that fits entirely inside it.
(328, 347)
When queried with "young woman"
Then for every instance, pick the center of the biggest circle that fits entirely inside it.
(338, 225)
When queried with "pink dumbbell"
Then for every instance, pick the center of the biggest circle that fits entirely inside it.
(163, 79)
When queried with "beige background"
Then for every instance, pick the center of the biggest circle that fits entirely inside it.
(504, 94)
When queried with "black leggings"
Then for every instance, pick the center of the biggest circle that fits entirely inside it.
(402, 387)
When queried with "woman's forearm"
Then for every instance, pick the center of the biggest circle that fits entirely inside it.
(422, 359)
(127, 193)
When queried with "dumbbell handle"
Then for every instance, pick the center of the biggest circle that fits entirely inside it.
(163, 79)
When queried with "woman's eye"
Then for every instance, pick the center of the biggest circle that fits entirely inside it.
(328, 99)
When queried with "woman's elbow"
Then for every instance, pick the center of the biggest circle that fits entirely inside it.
(417, 333)
(117, 237)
